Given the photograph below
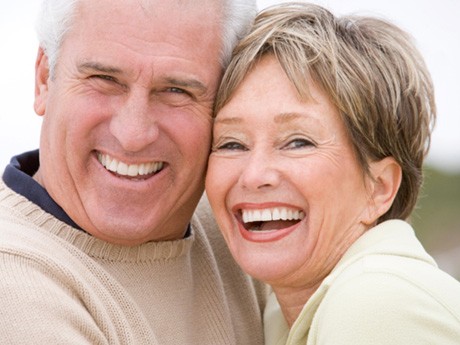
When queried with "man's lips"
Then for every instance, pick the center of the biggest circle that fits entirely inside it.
(129, 170)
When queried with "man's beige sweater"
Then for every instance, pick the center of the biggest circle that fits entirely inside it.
(59, 285)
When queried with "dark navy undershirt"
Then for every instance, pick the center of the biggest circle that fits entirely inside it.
(18, 176)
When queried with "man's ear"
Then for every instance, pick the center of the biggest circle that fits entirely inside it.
(384, 184)
(42, 75)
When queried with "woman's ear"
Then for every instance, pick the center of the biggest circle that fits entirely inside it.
(384, 184)
(41, 82)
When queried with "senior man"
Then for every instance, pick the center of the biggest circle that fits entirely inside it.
(101, 242)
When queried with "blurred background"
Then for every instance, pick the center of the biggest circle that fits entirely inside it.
(434, 26)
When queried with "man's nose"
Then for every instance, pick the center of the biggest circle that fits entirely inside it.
(135, 124)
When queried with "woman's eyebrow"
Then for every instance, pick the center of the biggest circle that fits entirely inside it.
(228, 120)
(291, 116)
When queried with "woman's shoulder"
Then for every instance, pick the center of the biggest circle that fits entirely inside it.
(392, 299)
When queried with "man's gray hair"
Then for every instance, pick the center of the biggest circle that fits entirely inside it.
(56, 18)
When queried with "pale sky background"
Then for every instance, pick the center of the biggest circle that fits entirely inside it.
(434, 25)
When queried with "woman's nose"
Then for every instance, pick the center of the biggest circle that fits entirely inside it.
(259, 172)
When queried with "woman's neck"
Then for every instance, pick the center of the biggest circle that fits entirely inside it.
(292, 300)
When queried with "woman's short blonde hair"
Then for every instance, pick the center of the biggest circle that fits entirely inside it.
(371, 71)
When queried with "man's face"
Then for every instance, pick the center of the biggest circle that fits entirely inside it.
(127, 116)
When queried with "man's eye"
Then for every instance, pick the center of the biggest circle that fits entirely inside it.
(176, 90)
(298, 144)
(174, 96)
(104, 77)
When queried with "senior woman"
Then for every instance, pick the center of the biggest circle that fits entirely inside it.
(322, 127)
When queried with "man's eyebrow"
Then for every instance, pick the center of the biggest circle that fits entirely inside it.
(97, 67)
(187, 83)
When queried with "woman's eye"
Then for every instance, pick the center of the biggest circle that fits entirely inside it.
(231, 146)
(299, 143)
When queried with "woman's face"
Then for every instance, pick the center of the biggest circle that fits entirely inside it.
(283, 180)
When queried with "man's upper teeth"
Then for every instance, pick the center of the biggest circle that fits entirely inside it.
(132, 170)
(272, 214)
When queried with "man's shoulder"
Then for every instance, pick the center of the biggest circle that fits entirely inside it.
(203, 221)
(217, 245)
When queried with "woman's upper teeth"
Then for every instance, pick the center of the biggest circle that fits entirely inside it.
(272, 214)
(125, 169)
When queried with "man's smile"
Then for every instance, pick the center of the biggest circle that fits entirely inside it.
(129, 170)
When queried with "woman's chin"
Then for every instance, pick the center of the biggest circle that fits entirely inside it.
(265, 266)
